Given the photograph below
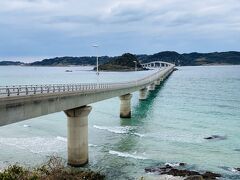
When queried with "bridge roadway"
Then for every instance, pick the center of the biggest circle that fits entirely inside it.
(18, 103)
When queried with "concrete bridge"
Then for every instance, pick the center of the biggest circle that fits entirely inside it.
(155, 64)
(18, 103)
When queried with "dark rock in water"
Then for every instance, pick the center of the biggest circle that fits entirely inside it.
(182, 164)
(210, 137)
(167, 166)
(195, 177)
(177, 172)
(210, 175)
(159, 170)
(167, 169)
(217, 137)
(152, 169)
(238, 169)
(191, 175)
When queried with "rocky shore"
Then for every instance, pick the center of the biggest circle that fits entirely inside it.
(182, 171)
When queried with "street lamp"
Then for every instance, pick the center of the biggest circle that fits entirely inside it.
(96, 46)
(135, 65)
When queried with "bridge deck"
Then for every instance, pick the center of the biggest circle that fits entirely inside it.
(18, 103)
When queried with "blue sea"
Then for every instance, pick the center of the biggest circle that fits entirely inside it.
(169, 127)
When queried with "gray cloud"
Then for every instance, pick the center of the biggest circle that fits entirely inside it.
(150, 24)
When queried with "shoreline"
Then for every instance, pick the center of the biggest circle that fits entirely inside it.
(120, 71)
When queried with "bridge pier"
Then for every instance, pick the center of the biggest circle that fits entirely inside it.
(151, 87)
(78, 135)
(143, 94)
(125, 106)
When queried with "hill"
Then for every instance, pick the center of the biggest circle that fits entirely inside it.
(194, 59)
(10, 63)
(66, 61)
(185, 59)
(126, 62)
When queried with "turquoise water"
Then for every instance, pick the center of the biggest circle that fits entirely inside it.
(170, 126)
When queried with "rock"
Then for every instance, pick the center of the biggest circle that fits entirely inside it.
(208, 137)
(218, 137)
(238, 169)
(160, 170)
(195, 177)
(184, 173)
(151, 169)
(191, 175)
(168, 166)
(210, 175)
(182, 164)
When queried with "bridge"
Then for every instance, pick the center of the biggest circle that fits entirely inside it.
(155, 64)
(18, 103)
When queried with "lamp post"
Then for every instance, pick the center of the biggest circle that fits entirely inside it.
(135, 65)
(96, 46)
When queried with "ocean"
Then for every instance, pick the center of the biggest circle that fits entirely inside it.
(169, 127)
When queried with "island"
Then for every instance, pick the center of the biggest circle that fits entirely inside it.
(121, 62)
(125, 62)
(11, 63)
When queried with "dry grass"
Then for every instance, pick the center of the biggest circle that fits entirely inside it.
(54, 169)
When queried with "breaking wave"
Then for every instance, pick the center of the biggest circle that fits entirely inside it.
(126, 155)
(117, 130)
(38, 145)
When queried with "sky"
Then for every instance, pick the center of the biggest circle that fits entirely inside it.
(35, 29)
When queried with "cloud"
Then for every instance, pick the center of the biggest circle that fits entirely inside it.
(157, 24)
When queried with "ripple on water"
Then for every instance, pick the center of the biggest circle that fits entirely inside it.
(39, 145)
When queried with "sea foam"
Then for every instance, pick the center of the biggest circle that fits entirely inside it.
(37, 144)
(172, 164)
(117, 130)
(126, 155)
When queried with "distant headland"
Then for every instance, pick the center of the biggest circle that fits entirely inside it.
(185, 59)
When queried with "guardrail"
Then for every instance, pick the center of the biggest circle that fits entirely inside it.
(25, 90)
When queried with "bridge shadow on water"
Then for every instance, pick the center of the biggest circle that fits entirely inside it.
(130, 144)
(143, 108)
(139, 117)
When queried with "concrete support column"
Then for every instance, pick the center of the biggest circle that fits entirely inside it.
(125, 106)
(143, 94)
(77, 136)
(157, 82)
(151, 87)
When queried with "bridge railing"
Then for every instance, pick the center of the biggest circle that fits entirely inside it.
(24, 90)
(43, 89)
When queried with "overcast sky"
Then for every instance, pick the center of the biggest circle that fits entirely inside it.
(48, 28)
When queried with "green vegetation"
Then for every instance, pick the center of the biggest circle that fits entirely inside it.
(194, 59)
(186, 59)
(66, 61)
(52, 170)
(126, 62)
(11, 63)
(122, 63)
